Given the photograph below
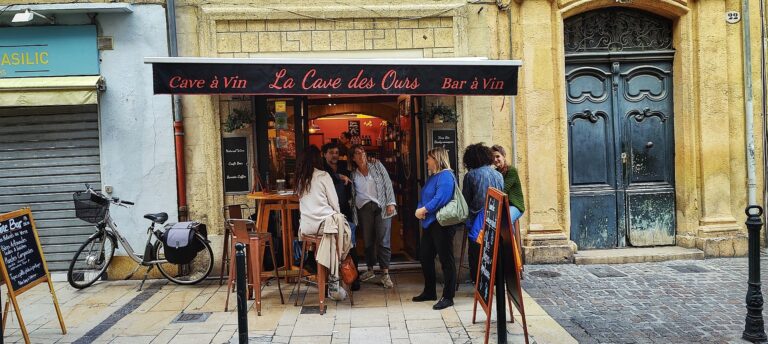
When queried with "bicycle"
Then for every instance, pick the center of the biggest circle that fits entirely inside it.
(94, 256)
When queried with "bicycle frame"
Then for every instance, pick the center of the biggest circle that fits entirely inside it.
(108, 225)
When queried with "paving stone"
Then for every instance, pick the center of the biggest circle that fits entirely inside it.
(665, 302)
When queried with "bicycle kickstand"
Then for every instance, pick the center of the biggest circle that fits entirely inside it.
(130, 275)
(149, 268)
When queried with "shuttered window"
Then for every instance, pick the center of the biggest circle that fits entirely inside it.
(46, 154)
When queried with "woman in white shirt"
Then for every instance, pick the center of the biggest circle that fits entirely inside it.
(374, 206)
(317, 195)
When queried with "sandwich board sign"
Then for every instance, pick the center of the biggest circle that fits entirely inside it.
(22, 263)
(500, 263)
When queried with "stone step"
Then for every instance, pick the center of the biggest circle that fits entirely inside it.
(637, 255)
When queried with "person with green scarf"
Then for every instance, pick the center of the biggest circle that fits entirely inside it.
(512, 186)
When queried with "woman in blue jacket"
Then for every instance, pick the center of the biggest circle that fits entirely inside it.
(436, 239)
(478, 159)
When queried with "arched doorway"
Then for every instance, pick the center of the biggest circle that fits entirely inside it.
(618, 77)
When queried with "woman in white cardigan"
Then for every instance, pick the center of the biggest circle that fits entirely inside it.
(321, 215)
(317, 195)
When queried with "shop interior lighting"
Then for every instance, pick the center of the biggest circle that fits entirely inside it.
(28, 15)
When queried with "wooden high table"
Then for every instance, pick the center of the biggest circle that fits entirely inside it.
(284, 203)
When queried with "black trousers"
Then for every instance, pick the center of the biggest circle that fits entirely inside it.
(438, 240)
(473, 249)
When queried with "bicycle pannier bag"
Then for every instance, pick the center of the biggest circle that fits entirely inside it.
(180, 244)
(456, 211)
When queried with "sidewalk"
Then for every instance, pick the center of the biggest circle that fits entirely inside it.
(115, 312)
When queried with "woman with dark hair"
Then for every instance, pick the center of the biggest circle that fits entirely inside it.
(478, 159)
(512, 186)
(321, 215)
(317, 195)
(374, 207)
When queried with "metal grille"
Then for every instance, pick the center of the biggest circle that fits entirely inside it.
(47, 153)
(617, 30)
(192, 317)
(605, 271)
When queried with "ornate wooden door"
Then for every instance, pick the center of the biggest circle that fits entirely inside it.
(620, 129)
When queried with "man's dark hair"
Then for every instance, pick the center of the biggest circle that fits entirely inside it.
(328, 146)
(477, 155)
(346, 135)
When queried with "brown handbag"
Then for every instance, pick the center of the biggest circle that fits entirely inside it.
(348, 270)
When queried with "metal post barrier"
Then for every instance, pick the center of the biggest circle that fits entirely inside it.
(242, 287)
(754, 330)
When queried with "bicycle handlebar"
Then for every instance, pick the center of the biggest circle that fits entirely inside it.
(114, 200)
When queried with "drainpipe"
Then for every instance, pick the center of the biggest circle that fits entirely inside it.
(749, 120)
(764, 109)
(178, 119)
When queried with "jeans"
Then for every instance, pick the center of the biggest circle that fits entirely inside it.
(473, 250)
(438, 240)
(514, 213)
(376, 233)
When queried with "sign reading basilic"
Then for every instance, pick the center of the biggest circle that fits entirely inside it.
(317, 76)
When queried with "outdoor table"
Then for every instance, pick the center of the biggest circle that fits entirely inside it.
(284, 203)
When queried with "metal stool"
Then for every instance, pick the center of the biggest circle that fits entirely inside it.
(309, 243)
(254, 241)
(234, 211)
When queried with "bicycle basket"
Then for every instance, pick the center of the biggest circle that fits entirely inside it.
(89, 207)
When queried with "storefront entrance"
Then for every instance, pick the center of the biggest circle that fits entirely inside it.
(396, 108)
(391, 128)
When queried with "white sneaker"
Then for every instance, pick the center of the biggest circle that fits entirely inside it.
(367, 276)
(387, 282)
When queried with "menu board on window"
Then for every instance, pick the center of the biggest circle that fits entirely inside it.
(446, 138)
(235, 156)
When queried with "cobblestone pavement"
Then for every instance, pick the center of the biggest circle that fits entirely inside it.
(693, 301)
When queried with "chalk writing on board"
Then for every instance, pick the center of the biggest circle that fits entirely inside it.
(21, 254)
(236, 164)
(489, 244)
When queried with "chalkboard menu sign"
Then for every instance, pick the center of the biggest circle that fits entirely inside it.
(446, 138)
(21, 251)
(235, 156)
(22, 263)
(498, 248)
(513, 261)
(488, 253)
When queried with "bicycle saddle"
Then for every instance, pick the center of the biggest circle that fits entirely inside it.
(157, 218)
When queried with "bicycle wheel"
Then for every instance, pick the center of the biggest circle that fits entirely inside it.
(91, 260)
(191, 273)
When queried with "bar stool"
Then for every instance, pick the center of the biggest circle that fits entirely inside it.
(254, 242)
(234, 211)
(310, 243)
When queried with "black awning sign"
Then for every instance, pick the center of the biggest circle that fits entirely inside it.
(334, 78)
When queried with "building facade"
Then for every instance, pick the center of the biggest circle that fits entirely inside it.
(628, 129)
(86, 114)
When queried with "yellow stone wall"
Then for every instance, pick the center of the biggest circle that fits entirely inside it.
(328, 29)
(710, 154)
(708, 90)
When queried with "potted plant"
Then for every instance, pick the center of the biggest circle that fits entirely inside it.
(441, 113)
(238, 119)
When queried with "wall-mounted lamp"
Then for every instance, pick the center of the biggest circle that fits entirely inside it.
(28, 15)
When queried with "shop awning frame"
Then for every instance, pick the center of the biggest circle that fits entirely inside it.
(50, 91)
(306, 76)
